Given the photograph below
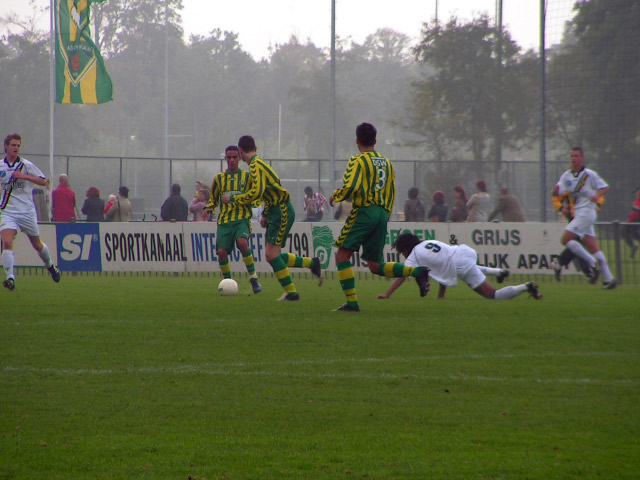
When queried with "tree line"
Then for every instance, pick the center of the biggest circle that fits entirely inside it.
(464, 92)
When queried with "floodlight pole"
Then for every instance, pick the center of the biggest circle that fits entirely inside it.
(332, 175)
(543, 165)
(166, 94)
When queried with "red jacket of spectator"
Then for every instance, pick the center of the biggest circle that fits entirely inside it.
(63, 203)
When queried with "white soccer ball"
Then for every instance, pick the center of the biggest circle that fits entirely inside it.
(228, 287)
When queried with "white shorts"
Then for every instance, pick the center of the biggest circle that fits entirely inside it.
(467, 267)
(27, 222)
(582, 223)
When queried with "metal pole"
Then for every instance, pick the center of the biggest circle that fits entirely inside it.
(52, 93)
(543, 167)
(166, 169)
(499, 132)
(332, 176)
(279, 128)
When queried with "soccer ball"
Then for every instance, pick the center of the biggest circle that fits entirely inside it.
(227, 287)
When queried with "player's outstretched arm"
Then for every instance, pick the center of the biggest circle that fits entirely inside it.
(396, 283)
(30, 178)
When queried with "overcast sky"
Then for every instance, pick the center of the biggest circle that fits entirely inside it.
(261, 23)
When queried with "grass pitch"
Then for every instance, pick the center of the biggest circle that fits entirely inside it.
(158, 377)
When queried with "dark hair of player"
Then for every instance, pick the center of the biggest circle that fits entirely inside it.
(230, 148)
(366, 134)
(247, 143)
(8, 138)
(405, 243)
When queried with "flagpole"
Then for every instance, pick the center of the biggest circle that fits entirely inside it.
(52, 45)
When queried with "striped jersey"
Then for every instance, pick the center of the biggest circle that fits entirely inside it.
(16, 195)
(581, 186)
(369, 180)
(264, 184)
(234, 183)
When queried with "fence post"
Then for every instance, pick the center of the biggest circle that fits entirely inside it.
(616, 247)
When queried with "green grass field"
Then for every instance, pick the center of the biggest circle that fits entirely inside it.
(157, 377)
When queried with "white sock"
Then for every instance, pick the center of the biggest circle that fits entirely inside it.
(489, 271)
(8, 259)
(507, 293)
(604, 268)
(578, 250)
(45, 256)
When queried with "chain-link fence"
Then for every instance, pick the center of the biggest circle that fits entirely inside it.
(149, 179)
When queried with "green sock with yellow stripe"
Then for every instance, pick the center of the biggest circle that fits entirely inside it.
(225, 268)
(248, 260)
(348, 282)
(396, 269)
(292, 260)
(282, 274)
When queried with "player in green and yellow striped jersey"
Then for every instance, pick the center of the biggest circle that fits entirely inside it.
(234, 221)
(370, 182)
(277, 217)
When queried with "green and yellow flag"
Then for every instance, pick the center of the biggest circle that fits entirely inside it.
(80, 73)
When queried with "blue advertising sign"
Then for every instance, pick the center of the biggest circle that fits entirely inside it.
(79, 247)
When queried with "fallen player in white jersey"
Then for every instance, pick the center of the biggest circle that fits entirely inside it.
(448, 263)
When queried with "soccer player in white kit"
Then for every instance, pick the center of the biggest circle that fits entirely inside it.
(449, 263)
(17, 178)
(586, 188)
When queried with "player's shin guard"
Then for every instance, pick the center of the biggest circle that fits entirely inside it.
(225, 268)
(580, 251)
(8, 260)
(507, 293)
(348, 282)
(295, 261)
(45, 255)
(249, 262)
(565, 257)
(282, 274)
(604, 267)
(396, 269)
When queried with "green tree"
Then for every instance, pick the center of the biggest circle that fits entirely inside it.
(465, 97)
(593, 94)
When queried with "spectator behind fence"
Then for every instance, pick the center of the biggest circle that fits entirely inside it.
(93, 206)
(478, 204)
(508, 207)
(63, 201)
(413, 208)
(459, 211)
(175, 207)
(438, 211)
(198, 204)
(112, 198)
(633, 231)
(120, 210)
(313, 203)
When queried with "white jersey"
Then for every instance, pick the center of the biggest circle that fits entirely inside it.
(439, 257)
(16, 195)
(582, 186)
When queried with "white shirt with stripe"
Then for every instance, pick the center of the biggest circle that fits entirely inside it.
(582, 186)
(16, 195)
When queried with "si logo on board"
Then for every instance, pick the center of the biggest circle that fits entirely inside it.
(79, 247)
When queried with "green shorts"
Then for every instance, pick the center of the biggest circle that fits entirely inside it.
(365, 227)
(229, 232)
(279, 221)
